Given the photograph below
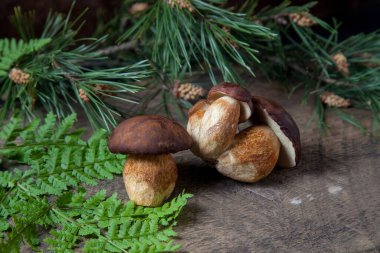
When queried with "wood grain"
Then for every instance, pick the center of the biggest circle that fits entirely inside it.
(329, 203)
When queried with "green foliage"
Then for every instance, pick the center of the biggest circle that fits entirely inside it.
(114, 226)
(12, 50)
(207, 36)
(302, 59)
(21, 141)
(168, 42)
(48, 194)
(60, 79)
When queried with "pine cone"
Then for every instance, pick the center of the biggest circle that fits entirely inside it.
(302, 19)
(83, 95)
(334, 100)
(182, 4)
(188, 91)
(138, 7)
(18, 76)
(341, 63)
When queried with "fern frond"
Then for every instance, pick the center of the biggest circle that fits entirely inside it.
(116, 227)
(21, 142)
(61, 168)
(11, 50)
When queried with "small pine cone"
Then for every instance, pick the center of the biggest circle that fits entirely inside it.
(334, 100)
(302, 19)
(138, 7)
(341, 63)
(368, 63)
(182, 4)
(188, 91)
(18, 76)
(83, 95)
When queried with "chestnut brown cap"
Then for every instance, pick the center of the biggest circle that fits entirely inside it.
(229, 89)
(283, 125)
(149, 135)
(236, 92)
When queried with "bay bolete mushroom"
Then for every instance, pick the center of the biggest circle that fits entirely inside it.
(236, 92)
(252, 156)
(217, 127)
(281, 122)
(213, 123)
(150, 173)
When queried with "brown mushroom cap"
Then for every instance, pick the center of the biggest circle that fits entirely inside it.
(149, 135)
(229, 89)
(236, 92)
(283, 125)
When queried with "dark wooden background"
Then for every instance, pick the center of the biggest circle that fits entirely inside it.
(329, 203)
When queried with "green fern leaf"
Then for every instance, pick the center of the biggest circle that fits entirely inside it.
(12, 50)
(25, 143)
(116, 227)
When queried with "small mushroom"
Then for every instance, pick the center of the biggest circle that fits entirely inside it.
(279, 120)
(252, 156)
(235, 91)
(150, 173)
(213, 126)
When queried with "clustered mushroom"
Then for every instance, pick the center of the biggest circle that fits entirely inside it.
(150, 173)
(251, 154)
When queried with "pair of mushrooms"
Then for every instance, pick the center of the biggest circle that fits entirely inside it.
(213, 134)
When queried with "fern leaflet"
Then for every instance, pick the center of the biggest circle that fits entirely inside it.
(11, 50)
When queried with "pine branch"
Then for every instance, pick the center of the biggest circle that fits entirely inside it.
(318, 64)
(198, 33)
(117, 48)
(53, 76)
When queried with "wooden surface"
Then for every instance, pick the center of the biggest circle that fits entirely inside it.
(329, 203)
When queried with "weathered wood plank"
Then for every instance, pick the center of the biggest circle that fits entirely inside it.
(329, 203)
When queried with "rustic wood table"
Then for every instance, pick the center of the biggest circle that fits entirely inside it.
(329, 203)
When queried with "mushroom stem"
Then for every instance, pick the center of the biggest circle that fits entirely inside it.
(149, 179)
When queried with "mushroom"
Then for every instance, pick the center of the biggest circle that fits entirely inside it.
(150, 172)
(214, 123)
(234, 91)
(279, 120)
(213, 127)
(252, 156)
